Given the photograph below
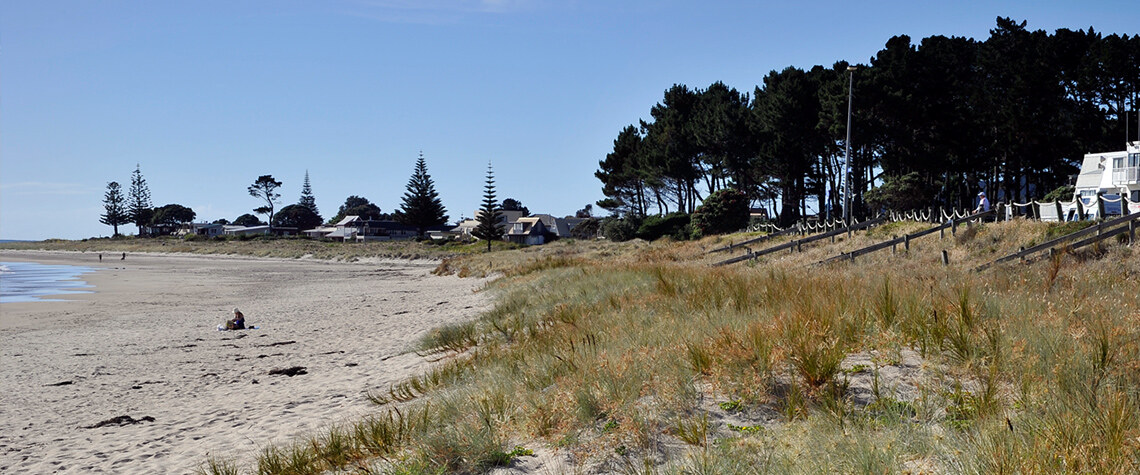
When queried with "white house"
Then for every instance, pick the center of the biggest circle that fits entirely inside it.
(1112, 173)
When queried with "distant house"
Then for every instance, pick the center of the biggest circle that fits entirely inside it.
(561, 227)
(319, 231)
(201, 229)
(353, 228)
(466, 229)
(233, 230)
(528, 231)
(166, 229)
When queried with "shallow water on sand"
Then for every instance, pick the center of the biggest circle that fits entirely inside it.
(30, 281)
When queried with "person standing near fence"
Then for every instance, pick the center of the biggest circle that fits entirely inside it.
(983, 203)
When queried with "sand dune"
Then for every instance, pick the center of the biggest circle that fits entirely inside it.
(145, 346)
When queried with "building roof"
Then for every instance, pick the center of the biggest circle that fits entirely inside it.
(530, 226)
(348, 219)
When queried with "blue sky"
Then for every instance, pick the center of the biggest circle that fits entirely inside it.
(207, 95)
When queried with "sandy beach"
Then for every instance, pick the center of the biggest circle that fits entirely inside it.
(145, 345)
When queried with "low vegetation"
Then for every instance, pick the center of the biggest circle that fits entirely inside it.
(639, 357)
(264, 246)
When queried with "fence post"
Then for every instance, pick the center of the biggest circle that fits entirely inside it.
(906, 242)
(1021, 255)
(954, 227)
(1080, 209)
(1035, 208)
(1132, 231)
(945, 258)
(1060, 213)
(1100, 204)
(894, 244)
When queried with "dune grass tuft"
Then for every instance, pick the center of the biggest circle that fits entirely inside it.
(615, 354)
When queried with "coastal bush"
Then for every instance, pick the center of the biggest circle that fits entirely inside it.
(724, 211)
(620, 229)
(674, 225)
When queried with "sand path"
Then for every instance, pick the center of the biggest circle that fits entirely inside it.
(145, 345)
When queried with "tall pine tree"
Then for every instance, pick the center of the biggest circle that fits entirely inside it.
(139, 207)
(307, 200)
(114, 208)
(421, 206)
(489, 228)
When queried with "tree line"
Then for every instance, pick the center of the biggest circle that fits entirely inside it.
(932, 124)
(420, 206)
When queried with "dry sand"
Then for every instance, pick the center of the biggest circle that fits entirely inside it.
(145, 345)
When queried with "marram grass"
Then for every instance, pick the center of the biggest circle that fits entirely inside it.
(627, 357)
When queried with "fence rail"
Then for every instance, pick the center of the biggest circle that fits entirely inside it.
(906, 239)
(1103, 230)
(796, 243)
(950, 219)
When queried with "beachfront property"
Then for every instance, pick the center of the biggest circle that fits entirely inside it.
(528, 231)
(1113, 175)
(552, 227)
(201, 229)
(234, 230)
(355, 228)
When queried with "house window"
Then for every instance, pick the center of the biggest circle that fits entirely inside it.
(1117, 163)
(518, 228)
(1134, 159)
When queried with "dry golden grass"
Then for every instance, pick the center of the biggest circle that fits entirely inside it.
(641, 357)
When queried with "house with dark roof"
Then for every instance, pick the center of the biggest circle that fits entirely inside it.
(353, 228)
(528, 231)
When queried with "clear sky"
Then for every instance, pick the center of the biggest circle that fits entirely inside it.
(207, 95)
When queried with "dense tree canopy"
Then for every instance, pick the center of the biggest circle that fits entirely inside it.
(511, 204)
(173, 214)
(296, 216)
(248, 220)
(933, 122)
(358, 206)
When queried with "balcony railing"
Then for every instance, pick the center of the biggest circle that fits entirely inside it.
(1126, 176)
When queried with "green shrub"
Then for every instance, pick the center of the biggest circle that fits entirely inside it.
(724, 211)
(621, 229)
(675, 225)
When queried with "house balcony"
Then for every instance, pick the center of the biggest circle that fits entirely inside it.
(1126, 176)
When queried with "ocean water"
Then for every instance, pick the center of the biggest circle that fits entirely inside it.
(29, 281)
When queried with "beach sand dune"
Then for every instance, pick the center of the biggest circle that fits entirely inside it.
(145, 346)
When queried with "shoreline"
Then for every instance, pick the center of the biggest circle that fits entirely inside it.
(145, 345)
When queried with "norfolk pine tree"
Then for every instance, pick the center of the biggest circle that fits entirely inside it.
(139, 207)
(489, 228)
(114, 207)
(421, 206)
(307, 200)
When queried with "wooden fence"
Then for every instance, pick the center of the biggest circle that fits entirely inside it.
(797, 243)
(950, 219)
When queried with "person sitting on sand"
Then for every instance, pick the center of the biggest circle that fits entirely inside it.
(238, 323)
